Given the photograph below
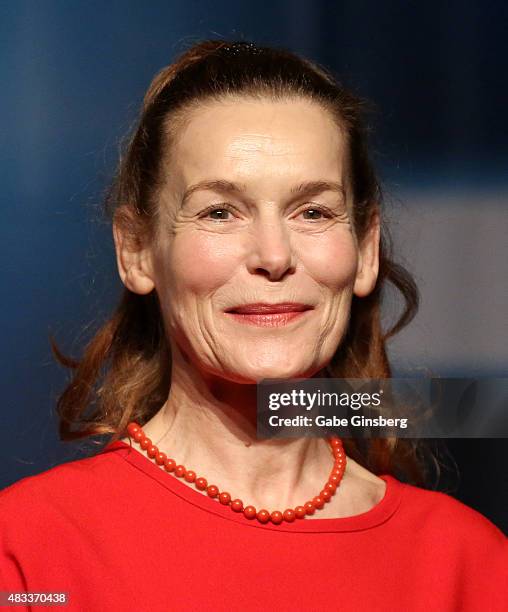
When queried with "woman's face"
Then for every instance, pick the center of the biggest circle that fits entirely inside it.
(267, 240)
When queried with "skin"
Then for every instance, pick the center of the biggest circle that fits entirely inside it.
(267, 249)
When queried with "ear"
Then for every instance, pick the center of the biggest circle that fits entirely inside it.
(132, 257)
(368, 266)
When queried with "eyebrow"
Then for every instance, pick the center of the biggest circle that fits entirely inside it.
(306, 189)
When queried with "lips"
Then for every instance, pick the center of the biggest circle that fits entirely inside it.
(265, 308)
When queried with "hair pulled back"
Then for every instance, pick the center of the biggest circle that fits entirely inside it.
(124, 372)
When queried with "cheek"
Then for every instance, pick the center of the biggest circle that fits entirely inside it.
(333, 260)
(200, 263)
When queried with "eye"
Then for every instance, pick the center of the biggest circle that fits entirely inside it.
(317, 210)
(222, 208)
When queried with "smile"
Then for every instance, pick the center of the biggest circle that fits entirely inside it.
(274, 319)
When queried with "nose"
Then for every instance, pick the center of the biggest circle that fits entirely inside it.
(271, 252)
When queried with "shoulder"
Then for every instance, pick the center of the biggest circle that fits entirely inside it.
(448, 522)
(61, 486)
(55, 512)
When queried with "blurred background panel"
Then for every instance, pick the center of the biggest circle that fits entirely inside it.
(73, 75)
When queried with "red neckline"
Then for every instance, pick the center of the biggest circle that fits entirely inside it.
(377, 515)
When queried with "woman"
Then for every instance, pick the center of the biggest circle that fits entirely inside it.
(248, 233)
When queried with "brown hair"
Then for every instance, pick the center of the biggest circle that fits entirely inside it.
(124, 374)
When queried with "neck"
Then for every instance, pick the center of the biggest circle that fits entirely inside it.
(208, 424)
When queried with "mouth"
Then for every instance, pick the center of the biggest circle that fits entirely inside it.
(267, 308)
(269, 315)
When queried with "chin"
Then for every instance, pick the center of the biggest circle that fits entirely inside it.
(260, 372)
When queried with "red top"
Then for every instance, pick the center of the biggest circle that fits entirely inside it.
(116, 532)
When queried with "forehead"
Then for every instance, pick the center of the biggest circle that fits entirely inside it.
(247, 140)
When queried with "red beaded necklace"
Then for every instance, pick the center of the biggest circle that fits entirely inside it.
(263, 516)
